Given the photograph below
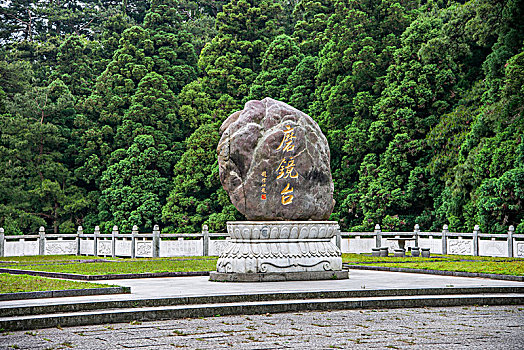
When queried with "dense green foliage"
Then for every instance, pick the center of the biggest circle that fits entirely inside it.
(110, 109)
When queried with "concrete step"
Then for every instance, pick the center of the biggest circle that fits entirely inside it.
(67, 305)
(129, 314)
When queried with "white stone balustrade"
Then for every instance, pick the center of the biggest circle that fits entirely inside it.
(135, 244)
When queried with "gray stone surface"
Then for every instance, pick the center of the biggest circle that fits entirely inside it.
(197, 286)
(274, 163)
(496, 327)
(64, 293)
(365, 289)
(280, 247)
(278, 276)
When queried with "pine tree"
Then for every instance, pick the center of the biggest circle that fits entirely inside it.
(232, 59)
(280, 59)
(39, 188)
(359, 38)
(300, 88)
(195, 199)
(311, 22)
(173, 53)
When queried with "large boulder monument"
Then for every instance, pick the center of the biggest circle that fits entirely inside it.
(274, 163)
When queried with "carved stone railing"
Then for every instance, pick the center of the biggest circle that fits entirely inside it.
(455, 243)
(154, 243)
(115, 244)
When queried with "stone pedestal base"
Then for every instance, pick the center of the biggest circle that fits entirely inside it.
(278, 276)
(280, 251)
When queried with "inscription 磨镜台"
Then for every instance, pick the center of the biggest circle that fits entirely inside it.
(274, 163)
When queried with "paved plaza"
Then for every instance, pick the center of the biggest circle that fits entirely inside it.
(476, 327)
(150, 288)
(370, 327)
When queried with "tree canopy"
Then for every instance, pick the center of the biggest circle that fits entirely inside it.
(110, 110)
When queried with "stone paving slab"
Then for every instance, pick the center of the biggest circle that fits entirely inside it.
(494, 327)
(358, 279)
(406, 291)
(26, 310)
(64, 293)
(248, 308)
(197, 286)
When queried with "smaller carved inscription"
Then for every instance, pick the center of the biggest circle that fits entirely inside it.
(263, 195)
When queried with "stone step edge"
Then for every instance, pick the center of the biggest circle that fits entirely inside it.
(74, 276)
(83, 306)
(64, 293)
(210, 310)
(437, 272)
(240, 277)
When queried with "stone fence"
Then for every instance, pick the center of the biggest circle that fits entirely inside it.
(156, 244)
(445, 242)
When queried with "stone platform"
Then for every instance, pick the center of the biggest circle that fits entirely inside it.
(278, 276)
(183, 297)
(280, 251)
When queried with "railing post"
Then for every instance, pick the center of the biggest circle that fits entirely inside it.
(96, 235)
(41, 241)
(511, 231)
(156, 241)
(445, 239)
(378, 235)
(79, 232)
(134, 234)
(114, 233)
(416, 232)
(205, 240)
(2, 242)
(338, 238)
(476, 231)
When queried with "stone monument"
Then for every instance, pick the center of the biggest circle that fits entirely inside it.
(274, 163)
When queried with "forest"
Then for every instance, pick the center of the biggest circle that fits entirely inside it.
(110, 109)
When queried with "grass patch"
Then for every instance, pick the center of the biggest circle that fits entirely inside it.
(460, 263)
(86, 266)
(513, 267)
(367, 258)
(363, 258)
(127, 266)
(40, 258)
(23, 283)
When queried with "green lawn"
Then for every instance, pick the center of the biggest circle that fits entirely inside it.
(463, 263)
(24, 283)
(39, 258)
(363, 258)
(75, 264)
(125, 266)
(515, 268)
